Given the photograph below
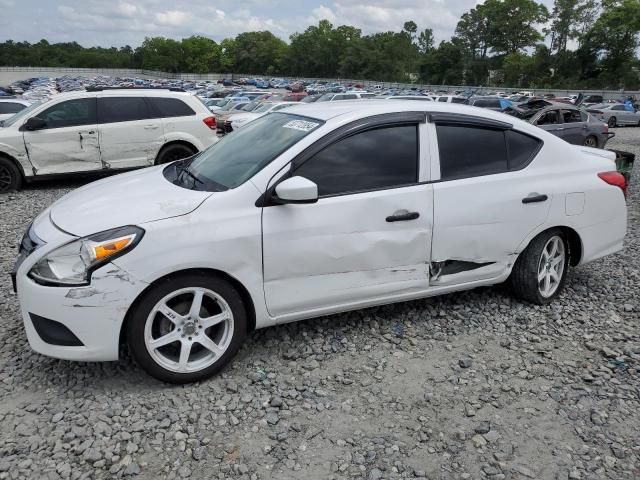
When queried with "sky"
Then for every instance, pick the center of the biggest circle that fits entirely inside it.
(127, 22)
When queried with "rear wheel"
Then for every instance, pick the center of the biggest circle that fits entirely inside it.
(187, 328)
(613, 121)
(10, 177)
(591, 141)
(173, 152)
(540, 272)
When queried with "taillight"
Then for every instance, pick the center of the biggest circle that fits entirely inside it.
(606, 128)
(616, 179)
(210, 122)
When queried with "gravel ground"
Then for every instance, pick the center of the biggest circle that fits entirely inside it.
(466, 386)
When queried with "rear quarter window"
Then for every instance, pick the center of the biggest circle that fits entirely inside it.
(169, 107)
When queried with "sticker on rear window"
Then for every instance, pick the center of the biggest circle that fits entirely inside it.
(301, 125)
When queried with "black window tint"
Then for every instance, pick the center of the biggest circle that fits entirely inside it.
(571, 116)
(10, 107)
(471, 151)
(169, 107)
(522, 148)
(122, 109)
(71, 113)
(458, 100)
(379, 158)
(442, 99)
(346, 97)
(617, 107)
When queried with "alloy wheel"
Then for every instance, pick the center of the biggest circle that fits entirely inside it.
(591, 142)
(188, 330)
(551, 266)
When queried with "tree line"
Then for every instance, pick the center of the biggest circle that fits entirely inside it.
(516, 43)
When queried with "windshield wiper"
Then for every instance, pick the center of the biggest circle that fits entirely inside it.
(184, 168)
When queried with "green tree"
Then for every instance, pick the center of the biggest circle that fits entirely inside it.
(200, 55)
(425, 41)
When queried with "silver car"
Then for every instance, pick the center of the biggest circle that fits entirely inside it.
(615, 114)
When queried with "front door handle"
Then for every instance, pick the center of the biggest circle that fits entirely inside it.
(150, 127)
(535, 198)
(403, 216)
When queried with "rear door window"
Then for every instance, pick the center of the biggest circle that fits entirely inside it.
(162, 107)
(571, 116)
(470, 151)
(122, 109)
(552, 117)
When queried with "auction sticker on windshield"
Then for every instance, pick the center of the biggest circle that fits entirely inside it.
(302, 125)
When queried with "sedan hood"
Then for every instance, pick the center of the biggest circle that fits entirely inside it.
(131, 198)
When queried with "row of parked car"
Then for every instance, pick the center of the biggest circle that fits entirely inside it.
(160, 121)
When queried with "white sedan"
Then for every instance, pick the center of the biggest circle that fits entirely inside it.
(313, 210)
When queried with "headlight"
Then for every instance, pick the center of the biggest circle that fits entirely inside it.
(73, 263)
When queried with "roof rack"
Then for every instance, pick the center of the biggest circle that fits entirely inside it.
(100, 89)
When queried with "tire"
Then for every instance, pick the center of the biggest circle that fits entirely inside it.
(10, 176)
(173, 152)
(613, 122)
(166, 311)
(531, 265)
(591, 141)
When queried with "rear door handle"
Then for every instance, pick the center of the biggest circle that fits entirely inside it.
(403, 216)
(150, 127)
(535, 198)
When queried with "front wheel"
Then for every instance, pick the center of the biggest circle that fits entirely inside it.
(540, 272)
(187, 328)
(10, 177)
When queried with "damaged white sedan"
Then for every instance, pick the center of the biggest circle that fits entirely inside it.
(316, 209)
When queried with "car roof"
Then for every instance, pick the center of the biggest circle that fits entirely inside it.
(355, 109)
(124, 92)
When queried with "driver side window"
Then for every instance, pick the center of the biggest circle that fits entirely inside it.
(70, 113)
(384, 157)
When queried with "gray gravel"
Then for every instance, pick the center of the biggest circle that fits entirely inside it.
(466, 386)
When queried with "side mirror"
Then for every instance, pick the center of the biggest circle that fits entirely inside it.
(296, 190)
(35, 123)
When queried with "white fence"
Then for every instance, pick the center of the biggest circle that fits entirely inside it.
(10, 74)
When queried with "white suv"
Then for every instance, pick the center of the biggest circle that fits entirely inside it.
(100, 130)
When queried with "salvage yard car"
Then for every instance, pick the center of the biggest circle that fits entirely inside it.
(309, 211)
(615, 114)
(101, 131)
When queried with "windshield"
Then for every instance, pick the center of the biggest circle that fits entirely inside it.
(239, 156)
(250, 107)
(21, 114)
(326, 97)
(264, 107)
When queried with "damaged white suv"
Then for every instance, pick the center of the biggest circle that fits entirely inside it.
(100, 131)
(313, 210)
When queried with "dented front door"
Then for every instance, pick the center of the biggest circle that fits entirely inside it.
(345, 249)
(68, 142)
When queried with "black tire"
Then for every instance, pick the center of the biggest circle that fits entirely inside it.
(10, 176)
(173, 152)
(139, 315)
(524, 276)
(591, 141)
(613, 122)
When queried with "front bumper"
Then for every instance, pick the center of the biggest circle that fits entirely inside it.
(74, 323)
(93, 314)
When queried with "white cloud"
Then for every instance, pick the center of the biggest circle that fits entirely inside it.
(174, 18)
(119, 22)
